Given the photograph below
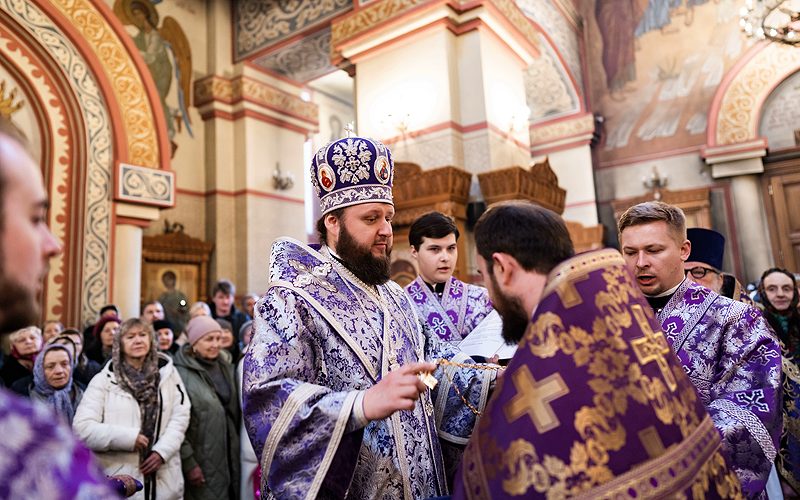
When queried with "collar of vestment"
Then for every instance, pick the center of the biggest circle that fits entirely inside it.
(684, 310)
(444, 315)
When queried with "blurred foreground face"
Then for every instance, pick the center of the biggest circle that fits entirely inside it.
(26, 243)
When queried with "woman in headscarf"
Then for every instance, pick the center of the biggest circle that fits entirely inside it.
(210, 451)
(779, 296)
(51, 382)
(99, 348)
(25, 345)
(135, 412)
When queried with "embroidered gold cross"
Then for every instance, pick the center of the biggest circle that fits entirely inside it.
(568, 293)
(651, 442)
(533, 398)
(652, 347)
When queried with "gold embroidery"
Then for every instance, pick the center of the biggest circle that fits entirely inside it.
(652, 347)
(533, 398)
(616, 380)
(568, 294)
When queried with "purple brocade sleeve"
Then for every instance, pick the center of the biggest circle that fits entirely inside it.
(745, 397)
(40, 458)
(295, 421)
(454, 419)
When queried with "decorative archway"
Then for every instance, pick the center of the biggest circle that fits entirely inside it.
(95, 109)
(737, 106)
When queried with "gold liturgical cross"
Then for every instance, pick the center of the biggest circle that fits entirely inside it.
(533, 398)
(652, 347)
(569, 294)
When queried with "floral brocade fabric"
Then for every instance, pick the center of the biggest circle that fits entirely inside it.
(595, 403)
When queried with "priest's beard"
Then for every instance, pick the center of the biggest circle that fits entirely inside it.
(360, 261)
(515, 320)
(18, 305)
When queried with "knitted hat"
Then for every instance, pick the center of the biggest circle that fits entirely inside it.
(200, 326)
(352, 171)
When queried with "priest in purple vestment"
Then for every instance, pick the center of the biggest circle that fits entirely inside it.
(726, 347)
(594, 404)
(333, 401)
(451, 308)
(39, 456)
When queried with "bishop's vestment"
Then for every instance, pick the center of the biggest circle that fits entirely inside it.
(734, 361)
(321, 339)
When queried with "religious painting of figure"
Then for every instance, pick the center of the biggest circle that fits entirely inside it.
(656, 70)
(166, 51)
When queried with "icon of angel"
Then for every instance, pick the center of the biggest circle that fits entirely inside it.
(166, 51)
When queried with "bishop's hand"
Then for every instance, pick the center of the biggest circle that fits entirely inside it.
(398, 390)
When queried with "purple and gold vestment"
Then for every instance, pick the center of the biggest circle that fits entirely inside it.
(594, 403)
(457, 313)
(734, 361)
(321, 339)
(40, 458)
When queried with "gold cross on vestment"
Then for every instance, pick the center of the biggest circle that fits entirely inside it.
(568, 293)
(651, 442)
(652, 347)
(533, 398)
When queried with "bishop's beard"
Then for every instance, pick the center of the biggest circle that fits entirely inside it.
(360, 261)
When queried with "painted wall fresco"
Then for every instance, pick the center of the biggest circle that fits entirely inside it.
(779, 120)
(655, 69)
(306, 59)
(166, 51)
(261, 23)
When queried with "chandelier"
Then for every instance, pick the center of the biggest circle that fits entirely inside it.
(777, 20)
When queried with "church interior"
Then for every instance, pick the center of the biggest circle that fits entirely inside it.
(176, 135)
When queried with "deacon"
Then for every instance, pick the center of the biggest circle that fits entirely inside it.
(451, 308)
(726, 347)
(593, 404)
(334, 399)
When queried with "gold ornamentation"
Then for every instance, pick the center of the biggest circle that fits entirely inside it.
(444, 363)
(124, 77)
(563, 129)
(616, 383)
(7, 105)
(533, 399)
(652, 347)
(240, 88)
(428, 379)
(740, 108)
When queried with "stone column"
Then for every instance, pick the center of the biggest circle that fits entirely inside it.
(254, 122)
(127, 269)
(742, 164)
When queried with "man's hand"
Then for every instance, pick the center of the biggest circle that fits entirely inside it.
(196, 477)
(151, 463)
(398, 390)
(141, 442)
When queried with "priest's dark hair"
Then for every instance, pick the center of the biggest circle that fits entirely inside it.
(432, 225)
(535, 236)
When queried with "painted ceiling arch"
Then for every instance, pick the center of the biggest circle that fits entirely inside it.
(94, 100)
(738, 103)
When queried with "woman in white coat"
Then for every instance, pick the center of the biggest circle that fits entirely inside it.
(135, 412)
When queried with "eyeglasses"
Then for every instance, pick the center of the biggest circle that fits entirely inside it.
(700, 271)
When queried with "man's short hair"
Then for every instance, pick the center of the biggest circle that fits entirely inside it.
(322, 231)
(224, 324)
(109, 307)
(655, 211)
(224, 286)
(432, 225)
(535, 236)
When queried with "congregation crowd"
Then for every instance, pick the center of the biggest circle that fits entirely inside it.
(151, 401)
